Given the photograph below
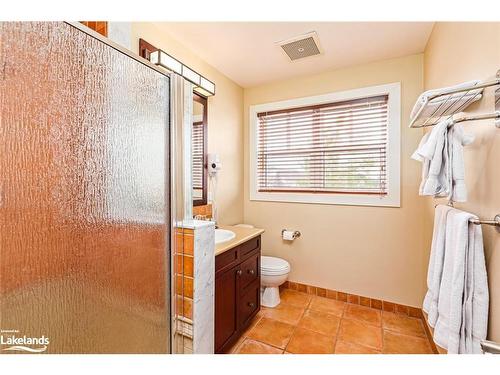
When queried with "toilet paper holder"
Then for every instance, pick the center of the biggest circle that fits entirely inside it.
(296, 233)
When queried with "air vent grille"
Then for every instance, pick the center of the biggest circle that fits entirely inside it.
(301, 48)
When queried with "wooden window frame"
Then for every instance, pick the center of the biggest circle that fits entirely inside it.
(392, 196)
(203, 101)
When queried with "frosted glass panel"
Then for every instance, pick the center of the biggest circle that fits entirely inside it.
(84, 257)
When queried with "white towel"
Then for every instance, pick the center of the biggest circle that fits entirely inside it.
(436, 260)
(425, 162)
(441, 153)
(444, 102)
(462, 315)
(476, 294)
(437, 154)
(433, 153)
(456, 176)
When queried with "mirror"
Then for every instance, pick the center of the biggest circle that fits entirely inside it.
(199, 150)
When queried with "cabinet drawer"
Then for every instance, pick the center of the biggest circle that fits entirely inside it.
(249, 246)
(227, 260)
(250, 270)
(249, 304)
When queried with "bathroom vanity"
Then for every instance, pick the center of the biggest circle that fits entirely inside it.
(237, 285)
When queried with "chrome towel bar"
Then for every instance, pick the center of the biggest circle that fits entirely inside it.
(495, 222)
(490, 347)
(484, 116)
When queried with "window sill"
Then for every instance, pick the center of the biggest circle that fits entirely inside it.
(389, 200)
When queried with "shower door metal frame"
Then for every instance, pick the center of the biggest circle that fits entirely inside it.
(117, 47)
(171, 163)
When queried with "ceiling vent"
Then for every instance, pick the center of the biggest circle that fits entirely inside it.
(301, 46)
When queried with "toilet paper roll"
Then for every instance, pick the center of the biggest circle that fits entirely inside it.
(288, 235)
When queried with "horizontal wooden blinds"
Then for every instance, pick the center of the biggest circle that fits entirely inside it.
(197, 152)
(329, 148)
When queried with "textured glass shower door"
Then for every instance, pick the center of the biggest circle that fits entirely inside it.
(84, 209)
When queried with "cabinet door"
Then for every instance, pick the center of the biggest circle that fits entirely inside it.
(226, 309)
(250, 269)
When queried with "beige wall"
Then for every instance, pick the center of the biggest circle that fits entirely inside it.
(457, 52)
(370, 251)
(225, 121)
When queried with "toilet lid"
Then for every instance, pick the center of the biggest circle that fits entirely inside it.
(272, 264)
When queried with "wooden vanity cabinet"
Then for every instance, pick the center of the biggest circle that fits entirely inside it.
(237, 292)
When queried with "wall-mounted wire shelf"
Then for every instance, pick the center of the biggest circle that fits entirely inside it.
(452, 102)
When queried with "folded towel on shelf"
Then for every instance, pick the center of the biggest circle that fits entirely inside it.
(441, 153)
(462, 312)
(454, 102)
(436, 260)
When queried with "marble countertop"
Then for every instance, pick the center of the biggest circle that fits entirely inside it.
(242, 235)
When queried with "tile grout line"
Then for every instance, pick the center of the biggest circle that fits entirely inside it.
(383, 331)
(274, 346)
(338, 329)
(308, 308)
(295, 326)
(245, 336)
(262, 342)
(364, 321)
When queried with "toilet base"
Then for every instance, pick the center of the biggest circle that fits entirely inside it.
(270, 296)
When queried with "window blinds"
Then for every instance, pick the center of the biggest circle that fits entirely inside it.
(328, 148)
(197, 152)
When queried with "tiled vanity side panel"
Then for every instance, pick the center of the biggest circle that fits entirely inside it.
(183, 266)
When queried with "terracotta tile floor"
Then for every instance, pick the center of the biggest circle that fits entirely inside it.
(306, 324)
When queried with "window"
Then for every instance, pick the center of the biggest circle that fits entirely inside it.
(341, 148)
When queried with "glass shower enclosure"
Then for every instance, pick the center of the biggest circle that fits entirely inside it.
(84, 195)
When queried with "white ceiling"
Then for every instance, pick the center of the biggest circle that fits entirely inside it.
(246, 52)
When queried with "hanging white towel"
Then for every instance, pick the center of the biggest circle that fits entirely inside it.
(436, 260)
(456, 170)
(476, 294)
(433, 153)
(425, 162)
(441, 154)
(463, 299)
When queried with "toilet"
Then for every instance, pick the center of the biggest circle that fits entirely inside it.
(273, 272)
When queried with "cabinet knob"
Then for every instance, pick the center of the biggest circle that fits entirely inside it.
(251, 272)
(239, 272)
(251, 304)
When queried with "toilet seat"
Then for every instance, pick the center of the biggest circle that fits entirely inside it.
(273, 266)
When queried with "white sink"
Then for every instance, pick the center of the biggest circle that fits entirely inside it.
(223, 235)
